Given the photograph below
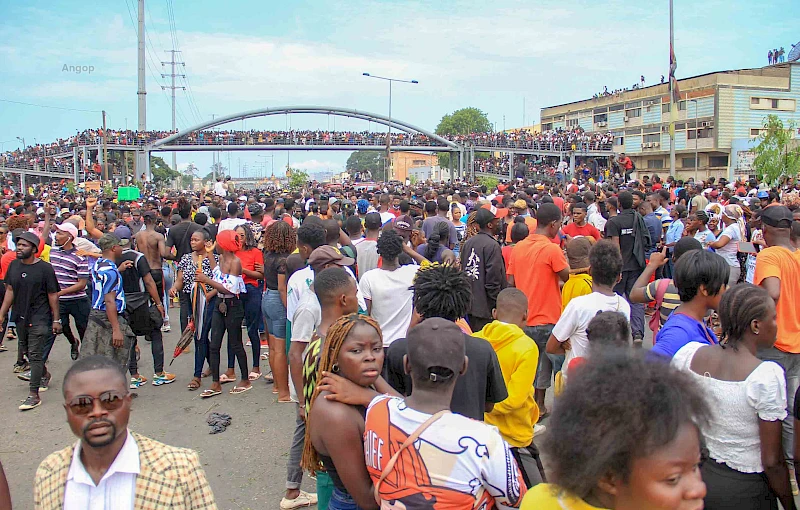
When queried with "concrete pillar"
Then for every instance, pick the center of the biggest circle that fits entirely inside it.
(572, 164)
(143, 164)
(22, 187)
(510, 166)
(76, 164)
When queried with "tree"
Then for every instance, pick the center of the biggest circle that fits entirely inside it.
(162, 174)
(461, 122)
(297, 179)
(367, 161)
(777, 156)
(221, 171)
(187, 181)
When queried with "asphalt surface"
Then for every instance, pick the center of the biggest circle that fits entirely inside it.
(245, 465)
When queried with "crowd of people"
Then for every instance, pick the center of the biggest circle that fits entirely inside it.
(416, 331)
(776, 56)
(576, 139)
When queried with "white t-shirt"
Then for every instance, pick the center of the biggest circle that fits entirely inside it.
(230, 224)
(391, 299)
(300, 282)
(220, 189)
(729, 251)
(577, 315)
(386, 217)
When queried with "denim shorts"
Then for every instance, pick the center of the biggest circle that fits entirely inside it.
(342, 501)
(274, 313)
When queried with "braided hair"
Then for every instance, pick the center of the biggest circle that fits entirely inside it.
(740, 305)
(441, 232)
(249, 240)
(442, 291)
(472, 228)
(280, 237)
(328, 356)
(390, 245)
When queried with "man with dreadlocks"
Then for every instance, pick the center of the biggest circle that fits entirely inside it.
(445, 292)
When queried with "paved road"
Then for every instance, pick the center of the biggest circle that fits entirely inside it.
(245, 465)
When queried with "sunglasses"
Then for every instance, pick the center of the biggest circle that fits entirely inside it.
(83, 404)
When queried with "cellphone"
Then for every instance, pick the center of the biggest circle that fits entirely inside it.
(745, 247)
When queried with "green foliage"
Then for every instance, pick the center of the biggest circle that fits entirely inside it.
(490, 183)
(413, 179)
(367, 161)
(297, 179)
(162, 174)
(71, 187)
(186, 181)
(777, 156)
(461, 122)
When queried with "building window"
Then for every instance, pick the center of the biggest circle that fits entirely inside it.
(615, 107)
(700, 133)
(655, 163)
(547, 127)
(665, 108)
(769, 103)
(572, 123)
(652, 138)
(755, 100)
(718, 161)
(619, 140)
(687, 162)
(755, 132)
(682, 105)
(774, 104)
(601, 118)
(635, 112)
(419, 162)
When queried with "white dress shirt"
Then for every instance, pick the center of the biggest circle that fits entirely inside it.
(117, 488)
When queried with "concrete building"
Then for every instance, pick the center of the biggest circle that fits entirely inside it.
(404, 162)
(719, 116)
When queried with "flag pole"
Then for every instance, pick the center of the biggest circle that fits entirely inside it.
(672, 112)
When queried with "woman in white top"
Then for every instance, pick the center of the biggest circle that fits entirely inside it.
(727, 244)
(746, 468)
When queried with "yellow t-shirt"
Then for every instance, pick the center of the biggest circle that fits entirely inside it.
(547, 496)
(578, 285)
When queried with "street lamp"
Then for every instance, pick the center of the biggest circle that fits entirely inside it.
(23, 142)
(389, 134)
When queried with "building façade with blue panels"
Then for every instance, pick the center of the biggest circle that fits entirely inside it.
(719, 117)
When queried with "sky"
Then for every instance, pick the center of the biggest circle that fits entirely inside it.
(242, 55)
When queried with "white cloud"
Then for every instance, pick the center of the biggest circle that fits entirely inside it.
(314, 165)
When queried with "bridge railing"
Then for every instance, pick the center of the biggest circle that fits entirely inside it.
(538, 145)
(62, 167)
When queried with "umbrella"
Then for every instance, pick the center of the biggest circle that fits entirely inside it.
(186, 339)
(190, 332)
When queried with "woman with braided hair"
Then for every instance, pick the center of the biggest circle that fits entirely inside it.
(353, 349)
(746, 466)
(280, 240)
(435, 250)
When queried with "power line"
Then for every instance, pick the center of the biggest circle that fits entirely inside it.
(53, 107)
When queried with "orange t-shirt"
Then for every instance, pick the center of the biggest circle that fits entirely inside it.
(779, 262)
(529, 220)
(535, 263)
(249, 260)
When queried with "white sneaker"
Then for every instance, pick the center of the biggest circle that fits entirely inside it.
(303, 500)
(165, 328)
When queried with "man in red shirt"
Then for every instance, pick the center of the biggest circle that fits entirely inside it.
(579, 227)
(625, 164)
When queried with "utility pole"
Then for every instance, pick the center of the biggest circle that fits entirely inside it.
(672, 80)
(172, 88)
(141, 93)
(213, 159)
(105, 149)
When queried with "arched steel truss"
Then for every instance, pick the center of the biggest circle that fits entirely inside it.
(446, 145)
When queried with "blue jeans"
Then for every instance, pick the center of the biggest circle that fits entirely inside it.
(252, 319)
(550, 364)
(274, 313)
(791, 370)
(342, 501)
(169, 279)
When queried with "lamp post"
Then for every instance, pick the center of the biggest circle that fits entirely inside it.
(389, 134)
(696, 158)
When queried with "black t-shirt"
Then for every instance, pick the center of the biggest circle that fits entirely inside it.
(135, 291)
(621, 226)
(482, 383)
(31, 284)
(180, 238)
(274, 264)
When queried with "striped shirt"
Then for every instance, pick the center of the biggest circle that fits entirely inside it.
(664, 217)
(69, 268)
(105, 279)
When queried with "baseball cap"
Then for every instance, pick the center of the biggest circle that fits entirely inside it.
(108, 241)
(69, 228)
(762, 194)
(325, 255)
(404, 223)
(778, 216)
(124, 234)
(436, 350)
(497, 212)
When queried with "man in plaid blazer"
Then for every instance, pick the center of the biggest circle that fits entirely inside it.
(124, 469)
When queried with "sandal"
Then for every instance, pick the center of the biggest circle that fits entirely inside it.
(265, 356)
(290, 400)
(194, 384)
(225, 378)
(210, 393)
(268, 377)
(254, 376)
(240, 389)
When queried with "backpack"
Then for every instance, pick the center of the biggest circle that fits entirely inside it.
(655, 320)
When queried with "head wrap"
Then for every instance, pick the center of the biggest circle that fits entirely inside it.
(735, 212)
(228, 240)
